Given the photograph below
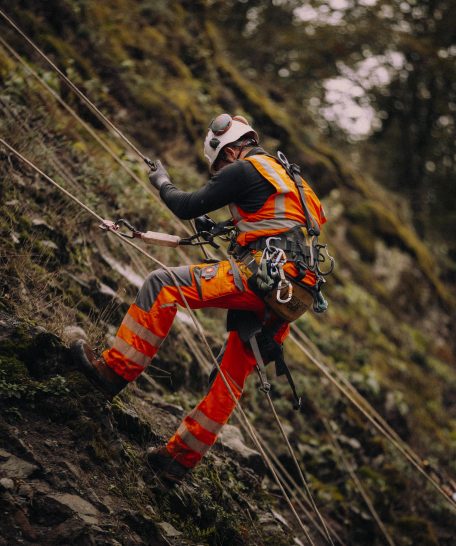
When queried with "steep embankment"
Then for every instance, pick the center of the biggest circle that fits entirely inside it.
(160, 70)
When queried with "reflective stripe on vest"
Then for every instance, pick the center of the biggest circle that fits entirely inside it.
(282, 211)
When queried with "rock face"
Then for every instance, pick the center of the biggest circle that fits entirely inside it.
(231, 438)
(76, 505)
(78, 475)
(13, 467)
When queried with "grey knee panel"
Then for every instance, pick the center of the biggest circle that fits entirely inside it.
(159, 278)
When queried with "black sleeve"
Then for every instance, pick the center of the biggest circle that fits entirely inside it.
(227, 186)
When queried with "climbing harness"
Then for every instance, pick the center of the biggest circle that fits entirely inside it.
(315, 257)
(283, 259)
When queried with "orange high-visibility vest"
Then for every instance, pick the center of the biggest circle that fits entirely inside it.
(282, 210)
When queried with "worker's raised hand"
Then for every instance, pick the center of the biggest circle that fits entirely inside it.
(158, 176)
(204, 223)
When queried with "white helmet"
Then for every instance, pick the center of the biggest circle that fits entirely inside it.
(224, 130)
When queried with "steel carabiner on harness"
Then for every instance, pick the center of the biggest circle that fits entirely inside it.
(322, 259)
(275, 259)
(284, 283)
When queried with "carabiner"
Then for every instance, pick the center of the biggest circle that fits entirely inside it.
(108, 225)
(284, 284)
(285, 163)
(331, 259)
(268, 243)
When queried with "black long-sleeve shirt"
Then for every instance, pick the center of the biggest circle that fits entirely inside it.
(238, 183)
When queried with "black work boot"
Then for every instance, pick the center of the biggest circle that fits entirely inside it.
(167, 468)
(96, 369)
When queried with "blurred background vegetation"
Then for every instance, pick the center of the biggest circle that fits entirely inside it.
(376, 78)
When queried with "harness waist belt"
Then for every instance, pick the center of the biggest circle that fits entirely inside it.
(292, 243)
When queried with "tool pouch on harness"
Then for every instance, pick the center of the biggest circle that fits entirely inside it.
(301, 298)
(264, 286)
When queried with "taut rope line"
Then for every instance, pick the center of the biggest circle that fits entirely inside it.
(378, 426)
(88, 128)
(89, 103)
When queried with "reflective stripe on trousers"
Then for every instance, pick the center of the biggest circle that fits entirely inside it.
(198, 431)
(147, 324)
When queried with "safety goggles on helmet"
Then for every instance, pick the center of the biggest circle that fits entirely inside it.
(223, 130)
(223, 122)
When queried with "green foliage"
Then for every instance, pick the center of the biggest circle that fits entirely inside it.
(16, 385)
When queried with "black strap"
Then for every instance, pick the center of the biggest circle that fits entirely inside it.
(289, 242)
(312, 226)
(283, 369)
(261, 368)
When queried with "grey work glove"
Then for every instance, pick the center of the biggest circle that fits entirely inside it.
(159, 176)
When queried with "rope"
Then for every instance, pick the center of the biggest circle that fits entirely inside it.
(290, 480)
(80, 94)
(301, 474)
(363, 401)
(356, 481)
(250, 427)
(324, 369)
(88, 128)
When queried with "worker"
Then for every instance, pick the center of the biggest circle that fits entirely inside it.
(264, 202)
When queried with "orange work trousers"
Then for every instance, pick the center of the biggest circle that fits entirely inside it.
(147, 324)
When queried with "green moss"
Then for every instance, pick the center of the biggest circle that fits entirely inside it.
(15, 383)
(382, 221)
